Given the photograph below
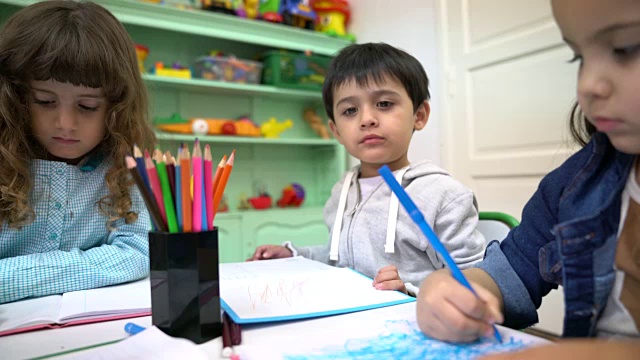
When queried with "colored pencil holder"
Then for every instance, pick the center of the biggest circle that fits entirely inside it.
(185, 290)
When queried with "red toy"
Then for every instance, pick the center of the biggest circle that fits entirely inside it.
(292, 195)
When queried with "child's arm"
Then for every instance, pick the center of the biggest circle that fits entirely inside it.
(456, 225)
(124, 257)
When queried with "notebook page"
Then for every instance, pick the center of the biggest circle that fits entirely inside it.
(288, 294)
(129, 298)
(149, 344)
(268, 268)
(38, 311)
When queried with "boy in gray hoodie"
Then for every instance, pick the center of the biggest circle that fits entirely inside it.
(376, 96)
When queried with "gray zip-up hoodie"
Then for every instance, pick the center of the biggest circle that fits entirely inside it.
(364, 245)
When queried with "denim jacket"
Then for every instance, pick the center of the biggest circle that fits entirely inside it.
(568, 237)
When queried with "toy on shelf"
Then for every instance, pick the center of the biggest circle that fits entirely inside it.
(316, 123)
(243, 203)
(141, 52)
(269, 10)
(296, 13)
(251, 8)
(221, 6)
(289, 12)
(176, 70)
(294, 69)
(292, 195)
(333, 17)
(199, 126)
(224, 205)
(229, 69)
(262, 201)
(272, 128)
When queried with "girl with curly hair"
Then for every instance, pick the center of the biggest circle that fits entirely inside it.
(72, 105)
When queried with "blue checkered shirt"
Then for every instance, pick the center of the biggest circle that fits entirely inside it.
(69, 247)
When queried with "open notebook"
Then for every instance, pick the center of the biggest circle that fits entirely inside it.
(77, 307)
(297, 288)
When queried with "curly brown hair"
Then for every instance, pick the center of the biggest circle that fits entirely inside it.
(70, 42)
(581, 129)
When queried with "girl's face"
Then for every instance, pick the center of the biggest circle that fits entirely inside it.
(605, 37)
(68, 120)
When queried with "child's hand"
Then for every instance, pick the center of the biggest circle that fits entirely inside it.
(389, 279)
(268, 252)
(448, 311)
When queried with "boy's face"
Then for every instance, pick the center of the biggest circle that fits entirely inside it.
(67, 120)
(375, 123)
(605, 38)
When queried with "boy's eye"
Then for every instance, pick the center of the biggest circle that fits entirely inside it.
(350, 111)
(384, 104)
(626, 51)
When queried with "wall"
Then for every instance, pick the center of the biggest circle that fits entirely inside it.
(411, 27)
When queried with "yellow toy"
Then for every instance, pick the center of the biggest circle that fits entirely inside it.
(333, 17)
(272, 128)
(251, 8)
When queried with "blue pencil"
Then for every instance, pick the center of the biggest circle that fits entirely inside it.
(418, 218)
(205, 226)
(140, 166)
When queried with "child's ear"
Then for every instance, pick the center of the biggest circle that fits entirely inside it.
(421, 116)
(334, 131)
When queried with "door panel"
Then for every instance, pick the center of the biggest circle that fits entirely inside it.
(509, 91)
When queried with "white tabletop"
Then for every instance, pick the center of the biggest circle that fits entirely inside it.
(260, 341)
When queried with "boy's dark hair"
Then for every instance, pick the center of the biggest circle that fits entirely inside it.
(374, 62)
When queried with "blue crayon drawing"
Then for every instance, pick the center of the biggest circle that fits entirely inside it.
(403, 339)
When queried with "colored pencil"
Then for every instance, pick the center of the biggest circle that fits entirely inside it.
(171, 170)
(208, 184)
(166, 192)
(178, 192)
(223, 182)
(185, 177)
(158, 224)
(197, 187)
(140, 166)
(155, 185)
(216, 178)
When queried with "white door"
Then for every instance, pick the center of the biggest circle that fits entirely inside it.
(509, 91)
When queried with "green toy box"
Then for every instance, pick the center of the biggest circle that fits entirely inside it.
(294, 70)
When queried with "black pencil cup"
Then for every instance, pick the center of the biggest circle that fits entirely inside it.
(185, 290)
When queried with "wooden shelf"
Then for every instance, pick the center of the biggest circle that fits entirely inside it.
(205, 23)
(245, 140)
(200, 85)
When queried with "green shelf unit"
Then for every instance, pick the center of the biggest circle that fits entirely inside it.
(241, 232)
(213, 25)
(246, 140)
(209, 86)
(298, 156)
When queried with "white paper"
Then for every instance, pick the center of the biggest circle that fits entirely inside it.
(114, 300)
(43, 310)
(385, 333)
(295, 288)
(151, 343)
